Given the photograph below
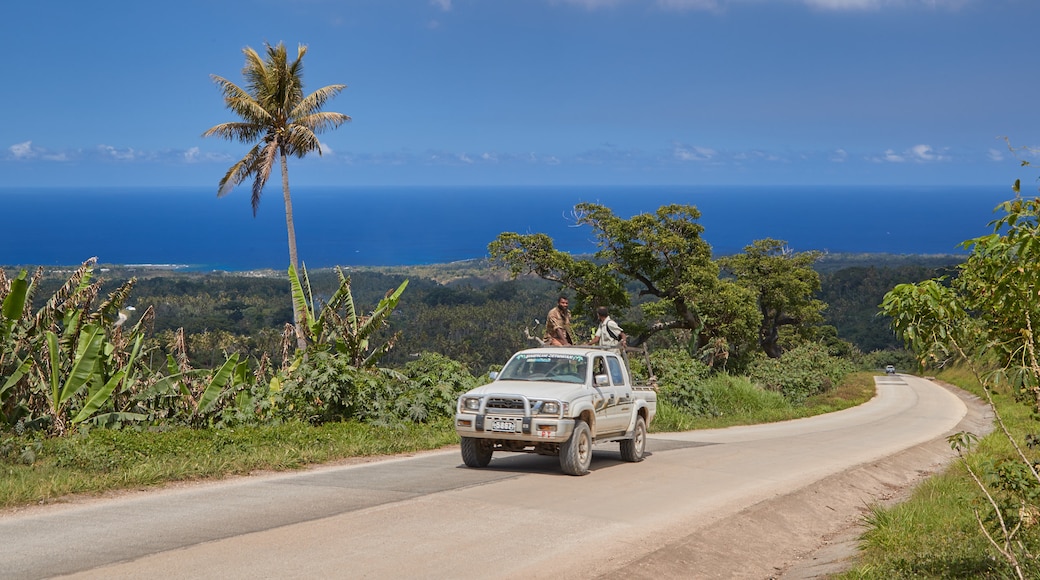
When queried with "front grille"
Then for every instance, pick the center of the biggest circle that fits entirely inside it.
(503, 404)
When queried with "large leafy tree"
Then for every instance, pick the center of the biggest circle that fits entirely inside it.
(785, 284)
(986, 317)
(280, 121)
(663, 256)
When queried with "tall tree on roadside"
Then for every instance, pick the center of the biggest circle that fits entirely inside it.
(280, 121)
(663, 255)
(785, 284)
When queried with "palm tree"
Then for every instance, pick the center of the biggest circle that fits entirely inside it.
(280, 121)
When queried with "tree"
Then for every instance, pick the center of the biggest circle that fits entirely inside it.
(785, 284)
(663, 255)
(281, 121)
(987, 318)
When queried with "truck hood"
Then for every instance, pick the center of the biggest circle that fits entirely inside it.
(533, 389)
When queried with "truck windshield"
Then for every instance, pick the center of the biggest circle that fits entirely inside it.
(546, 367)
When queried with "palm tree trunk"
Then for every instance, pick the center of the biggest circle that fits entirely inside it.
(298, 317)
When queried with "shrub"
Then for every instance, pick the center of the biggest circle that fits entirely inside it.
(680, 379)
(327, 387)
(801, 372)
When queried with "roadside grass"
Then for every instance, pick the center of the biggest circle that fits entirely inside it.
(934, 534)
(47, 470)
(739, 402)
(35, 471)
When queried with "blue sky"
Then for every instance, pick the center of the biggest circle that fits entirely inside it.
(528, 92)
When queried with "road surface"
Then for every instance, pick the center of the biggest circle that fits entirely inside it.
(755, 488)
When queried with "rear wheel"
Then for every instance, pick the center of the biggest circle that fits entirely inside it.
(476, 452)
(576, 452)
(632, 449)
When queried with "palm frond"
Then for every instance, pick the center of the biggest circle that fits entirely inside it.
(322, 121)
(243, 132)
(262, 170)
(300, 140)
(316, 100)
(240, 171)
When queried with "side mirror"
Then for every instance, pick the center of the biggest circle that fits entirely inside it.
(493, 375)
(602, 380)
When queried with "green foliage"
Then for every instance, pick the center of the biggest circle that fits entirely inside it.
(985, 318)
(107, 459)
(338, 326)
(680, 379)
(904, 361)
(801, 372)
(69, 362)
(663, 259)
(327, 387)
(784, 283)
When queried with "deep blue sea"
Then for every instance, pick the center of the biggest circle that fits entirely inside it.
(386, 226)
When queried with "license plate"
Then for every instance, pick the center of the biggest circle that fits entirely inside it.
(504, 426)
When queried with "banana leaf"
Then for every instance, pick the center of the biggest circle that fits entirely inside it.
(217, 383)
(83, 365)
(98, 397)
(14, 304)
(22, 368)
(303, 300)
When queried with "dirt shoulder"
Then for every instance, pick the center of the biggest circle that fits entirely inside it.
(812, 533)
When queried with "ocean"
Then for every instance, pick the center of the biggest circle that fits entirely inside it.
(386, 226)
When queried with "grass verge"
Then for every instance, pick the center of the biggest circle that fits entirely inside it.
(739, 402)
(37, 470)
(935, 533)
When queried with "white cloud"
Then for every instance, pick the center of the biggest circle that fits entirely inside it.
(917, 154)
(444, 5)
(191, 155)
(839, 156)
(925, 153)
(683, 153)
(22, 150)
(127, 154)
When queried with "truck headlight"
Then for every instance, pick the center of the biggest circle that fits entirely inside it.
(551, 408)
(471, 404)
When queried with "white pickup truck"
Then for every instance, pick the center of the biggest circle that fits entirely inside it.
(557, 401)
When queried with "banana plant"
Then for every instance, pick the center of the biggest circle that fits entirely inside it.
(348, 333)
(82, 371)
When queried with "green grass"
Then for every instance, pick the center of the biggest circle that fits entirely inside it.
(40, 470)
(935, 534)
(739, 402)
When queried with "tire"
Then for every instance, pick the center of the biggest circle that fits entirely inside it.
(476, 452)
(632, 449)
(576, 452)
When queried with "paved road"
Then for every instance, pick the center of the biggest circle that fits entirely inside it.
(428, 516)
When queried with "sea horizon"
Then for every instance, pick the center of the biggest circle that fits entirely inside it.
(189, 228)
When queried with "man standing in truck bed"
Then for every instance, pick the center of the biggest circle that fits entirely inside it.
(608, 333)
(558, 324)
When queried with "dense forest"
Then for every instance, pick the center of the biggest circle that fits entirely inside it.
(467, 311)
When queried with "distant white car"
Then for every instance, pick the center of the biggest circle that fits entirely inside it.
(890, 369)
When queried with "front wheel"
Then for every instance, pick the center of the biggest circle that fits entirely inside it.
(576, 452)
(476, 452)
(633, 449)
